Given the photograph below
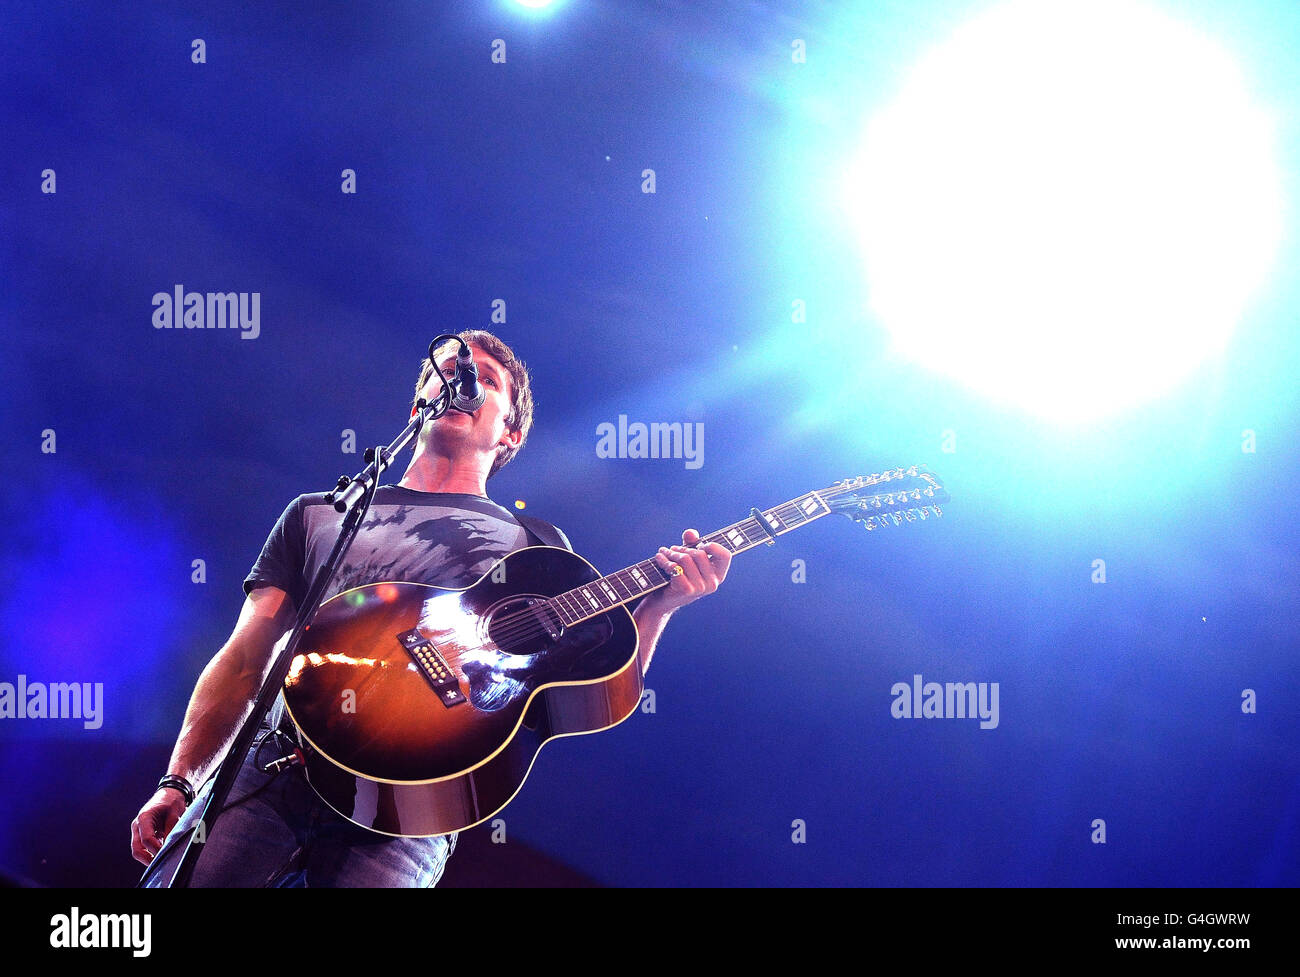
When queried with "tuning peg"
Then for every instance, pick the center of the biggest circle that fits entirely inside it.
(937, 511)
(923, 512)
(909, 515)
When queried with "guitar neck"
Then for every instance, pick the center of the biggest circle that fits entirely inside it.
(645, 577)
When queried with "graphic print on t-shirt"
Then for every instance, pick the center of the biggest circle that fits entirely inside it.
(454, 545)
(443, 539)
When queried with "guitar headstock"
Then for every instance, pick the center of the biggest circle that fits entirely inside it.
(888, 498)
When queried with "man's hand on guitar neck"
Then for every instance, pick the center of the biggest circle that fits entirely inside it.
(702, 570)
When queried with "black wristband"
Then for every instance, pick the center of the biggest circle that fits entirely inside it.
(178, 783)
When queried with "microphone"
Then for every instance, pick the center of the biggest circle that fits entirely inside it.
(470, 394)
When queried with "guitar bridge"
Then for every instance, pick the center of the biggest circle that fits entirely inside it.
(434, 667)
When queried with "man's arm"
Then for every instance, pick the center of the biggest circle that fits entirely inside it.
(702, 571)
(649, 626)
(220, 703)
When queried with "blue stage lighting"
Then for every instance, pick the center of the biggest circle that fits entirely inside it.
(1068, 205)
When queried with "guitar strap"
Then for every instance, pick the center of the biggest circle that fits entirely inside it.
(542, 533)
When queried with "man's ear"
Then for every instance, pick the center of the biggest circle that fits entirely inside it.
(510, 438)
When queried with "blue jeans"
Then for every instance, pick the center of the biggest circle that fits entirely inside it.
(276, 832)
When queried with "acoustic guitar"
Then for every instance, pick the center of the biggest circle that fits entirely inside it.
(421, 709)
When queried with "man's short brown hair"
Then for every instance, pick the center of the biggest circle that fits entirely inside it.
(521, 392)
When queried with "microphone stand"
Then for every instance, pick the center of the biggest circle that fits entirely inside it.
(351, 495)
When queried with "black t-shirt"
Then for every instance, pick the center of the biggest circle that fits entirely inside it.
(447, 539)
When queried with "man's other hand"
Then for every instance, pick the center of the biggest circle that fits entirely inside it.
(154, 822)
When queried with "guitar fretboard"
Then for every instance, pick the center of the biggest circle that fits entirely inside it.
(639, 579)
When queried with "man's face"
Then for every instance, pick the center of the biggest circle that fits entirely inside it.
(457, 432)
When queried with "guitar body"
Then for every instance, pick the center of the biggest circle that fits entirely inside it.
(422, 709)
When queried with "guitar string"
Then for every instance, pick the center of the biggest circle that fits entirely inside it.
(791, 513)
(522, 625)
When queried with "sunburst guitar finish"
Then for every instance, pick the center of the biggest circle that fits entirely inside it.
(422, 709)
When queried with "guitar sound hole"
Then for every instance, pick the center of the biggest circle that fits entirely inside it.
(527, 645)
(517, 633)
(523, 625)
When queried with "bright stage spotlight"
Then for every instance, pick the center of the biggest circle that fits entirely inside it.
(1068, 205)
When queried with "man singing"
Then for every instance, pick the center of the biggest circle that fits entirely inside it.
(435, 526)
